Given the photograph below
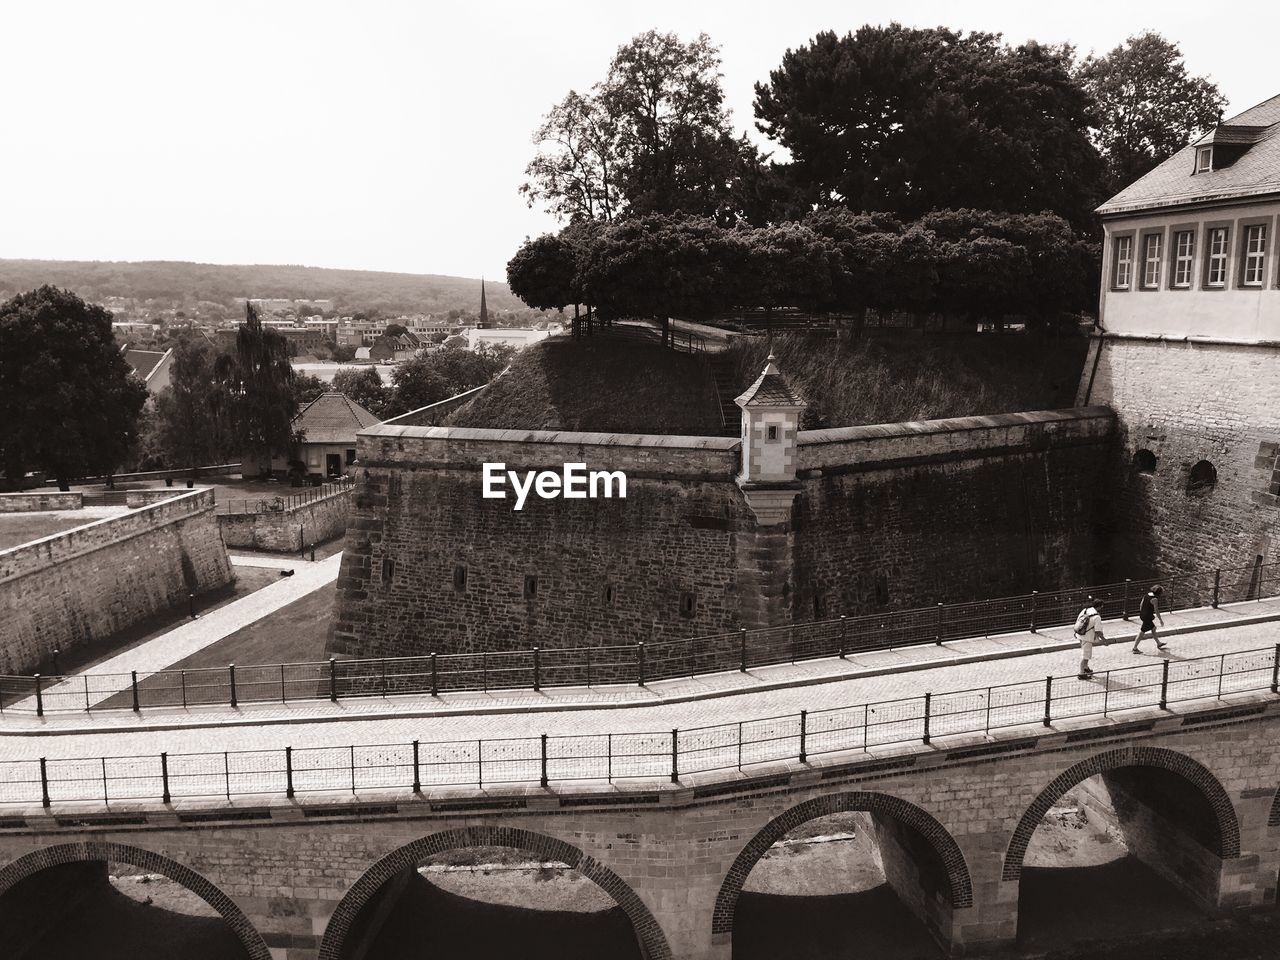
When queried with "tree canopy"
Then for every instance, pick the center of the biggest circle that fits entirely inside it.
(69, 403)
(192, 415)
(260, 379)
(363, 385)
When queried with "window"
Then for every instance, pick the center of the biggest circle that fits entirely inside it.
(1124, 262)
(688, 604)
(1202, 479)
(351, 457)
(1204, 160)
(388, 570)
(459, 579)
(1184, 249)
(1217, 273)
(1151, 261)
(1144, 461)
(530, 586)
(771, 432)
(1255, 254)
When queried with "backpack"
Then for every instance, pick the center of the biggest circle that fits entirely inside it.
(1082, 622)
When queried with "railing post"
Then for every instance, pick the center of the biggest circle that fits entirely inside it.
(164, 777)
(640, 661)
(742, 650)
(133, 683)
(1124, 602)
(938, 638)
(928, 700)
(804, 728)
(384, 676)
(1164, 685)
(288, 772)
(1217, 585)
(1034, 595)
(231, 674)
(842, 636)
(333, 679)
(1275, 671)
(435, 677)
(40, 696)
(44, 783)
(537, 676)
(417, 771)
(1048, 701)
(544, 761)
(675, 756)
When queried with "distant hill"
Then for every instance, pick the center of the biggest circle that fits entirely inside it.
(177, 283)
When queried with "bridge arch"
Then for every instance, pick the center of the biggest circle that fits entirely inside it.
(18, 870)
(1194, 772)
(653, 942)
(960, 886)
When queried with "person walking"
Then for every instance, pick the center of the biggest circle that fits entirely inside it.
(1148, 613)
(1089, 630)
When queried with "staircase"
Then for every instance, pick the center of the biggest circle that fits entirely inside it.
(722, 372)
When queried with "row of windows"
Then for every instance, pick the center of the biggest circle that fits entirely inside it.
(1201, 478)
(1181, 259)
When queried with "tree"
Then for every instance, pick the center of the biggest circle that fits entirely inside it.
(395, 330)
(1148, 106)
(429, 378)
(69, 403)
(652, 137)
(260, 379)
(192, 425)
(544, 272)
(307, 387)
(364, 386)
(905, 120)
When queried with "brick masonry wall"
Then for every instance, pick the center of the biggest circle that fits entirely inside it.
(1185, 402)
(290, 530)
(94, 580)
(34, 501)
(431, 566)
(675, 858)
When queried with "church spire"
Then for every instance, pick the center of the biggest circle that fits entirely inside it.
(484, 309)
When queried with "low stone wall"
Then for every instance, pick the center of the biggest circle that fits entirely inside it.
(87, 583)
(134, 499)
(289, 530)
(37, 500)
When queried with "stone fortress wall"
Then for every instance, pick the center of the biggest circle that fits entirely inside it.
(1197, 471)
(887, 516)
(91, 581)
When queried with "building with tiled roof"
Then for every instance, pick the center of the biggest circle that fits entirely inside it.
(328, 425)
(1190, 247)
(151, 367)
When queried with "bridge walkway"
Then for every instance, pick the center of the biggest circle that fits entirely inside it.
(870, 678)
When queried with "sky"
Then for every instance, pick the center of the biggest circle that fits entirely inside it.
(394, 135)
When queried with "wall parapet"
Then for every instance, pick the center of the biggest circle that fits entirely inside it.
(292, 528)
(888, 445)
(37, 500)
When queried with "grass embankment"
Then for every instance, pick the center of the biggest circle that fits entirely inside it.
(890, 381)
(598, 386)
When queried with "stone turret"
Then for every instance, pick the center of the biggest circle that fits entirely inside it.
(770, 424)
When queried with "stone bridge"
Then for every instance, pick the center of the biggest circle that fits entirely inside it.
(1193, 788)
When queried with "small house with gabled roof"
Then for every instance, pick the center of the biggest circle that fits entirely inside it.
(151, 367)
(328, 427)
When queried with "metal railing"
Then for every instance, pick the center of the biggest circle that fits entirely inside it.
(666, 754)
(638, 663)
(279, 504)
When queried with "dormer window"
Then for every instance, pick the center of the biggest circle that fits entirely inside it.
(1204, 160)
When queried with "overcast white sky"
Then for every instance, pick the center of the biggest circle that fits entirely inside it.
(394, 136)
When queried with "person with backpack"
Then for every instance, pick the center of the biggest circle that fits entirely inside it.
(1089, 630)
(1147, 614)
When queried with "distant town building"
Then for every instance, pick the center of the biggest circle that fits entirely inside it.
(484, 309)
(400, 347)
(151, 367)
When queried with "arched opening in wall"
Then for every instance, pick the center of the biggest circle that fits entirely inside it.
(1144, 462)
(111, 902)
(488, 893)
(851, 875)
(1115, 849)
(1201, 479)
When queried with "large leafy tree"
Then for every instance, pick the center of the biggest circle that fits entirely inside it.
(1148, 105)
(69, 404)
(192, 415)
(431, 377)
(905, 120)
(363, 385)
(260, 379)
(652, 137)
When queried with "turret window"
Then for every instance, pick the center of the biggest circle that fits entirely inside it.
(771, 432)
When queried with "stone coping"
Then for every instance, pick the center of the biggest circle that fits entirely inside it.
(1184, 338)
(915, 428)
(562, 437)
